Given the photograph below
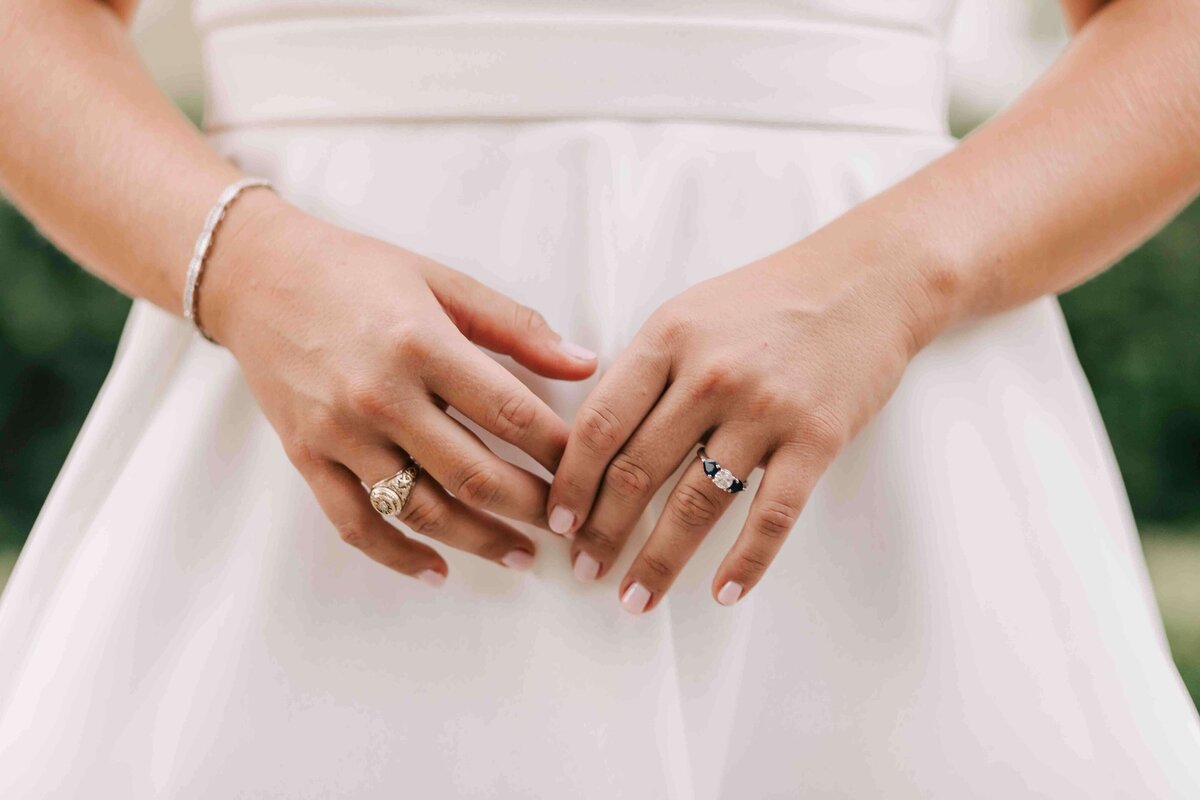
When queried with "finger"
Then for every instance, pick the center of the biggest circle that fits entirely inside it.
(496, 400)
(787, 482)
(344, 502)
(665, 438)
(691, 510)
(609, 416)
(499, 323)
(431, 512)
(464, 465)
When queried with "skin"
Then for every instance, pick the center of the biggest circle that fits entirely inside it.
(1093, 159)
(354, 366)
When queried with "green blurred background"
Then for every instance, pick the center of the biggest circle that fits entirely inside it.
(1136, 328)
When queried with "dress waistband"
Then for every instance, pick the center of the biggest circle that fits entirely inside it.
(792, 72)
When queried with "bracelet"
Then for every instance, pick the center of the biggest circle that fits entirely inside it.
(204, 244)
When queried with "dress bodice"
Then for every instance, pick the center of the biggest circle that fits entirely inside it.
(931, 16)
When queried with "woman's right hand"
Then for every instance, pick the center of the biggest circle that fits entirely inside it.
(354, 347)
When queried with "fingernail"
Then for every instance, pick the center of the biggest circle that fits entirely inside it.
(561, 520)
(432, 577)
(635, 598)
(730, 593)
(518, 560)
(575, 351)
(586, 568)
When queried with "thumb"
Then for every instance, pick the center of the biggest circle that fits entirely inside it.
(499, 323)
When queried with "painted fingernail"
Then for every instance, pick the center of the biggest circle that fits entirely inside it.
(518, 560)
(586, 568)
(575, 351)
(635, 598)
(432, 577)
(561, 519)
(730, 593)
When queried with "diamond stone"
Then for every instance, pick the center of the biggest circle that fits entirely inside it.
(723, 479)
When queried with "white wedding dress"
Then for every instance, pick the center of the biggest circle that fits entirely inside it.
(962, 612)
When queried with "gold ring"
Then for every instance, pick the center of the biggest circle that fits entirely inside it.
(390, 494)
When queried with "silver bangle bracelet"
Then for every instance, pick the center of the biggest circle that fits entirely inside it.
(204, 244)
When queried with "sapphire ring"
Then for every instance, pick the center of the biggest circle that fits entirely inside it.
(720, 476)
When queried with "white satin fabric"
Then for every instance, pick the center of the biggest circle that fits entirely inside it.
(963, 610)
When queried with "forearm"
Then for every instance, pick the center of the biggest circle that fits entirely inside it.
(1088, 163)
(94, 154)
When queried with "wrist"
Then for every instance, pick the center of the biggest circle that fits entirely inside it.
(928, 288)
(247, 242)
(926, 283)
(912, 283)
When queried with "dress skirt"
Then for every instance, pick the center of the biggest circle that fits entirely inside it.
(963, 609)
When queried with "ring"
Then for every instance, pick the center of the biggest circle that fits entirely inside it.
(720, 476)
(390, 494)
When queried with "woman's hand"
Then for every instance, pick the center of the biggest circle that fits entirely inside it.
(354, 348)
(778, 363)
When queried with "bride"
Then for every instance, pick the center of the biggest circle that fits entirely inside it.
(539, 398)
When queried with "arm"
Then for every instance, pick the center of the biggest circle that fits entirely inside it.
(95, 155)
(1092, 160)
(348, 364)
(1097, 155)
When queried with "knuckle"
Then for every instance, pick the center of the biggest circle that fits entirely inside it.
(354, 533)
(495, 548)
(776, 519)
(319, 423)
(401, 559)
(569, 485)
(653, 566)
(399, 562)
(425, 515)
(478, 485)
(368, 400)
(768, 403)
(692, 507)
(720, 378)
(821, 431)
(515, 415)
(600, 541)
(302, 454)
(751, 564)
(410, 343)
(598, 428)
(527, 319)
(665, 329)
(626, 478)
(806, 463)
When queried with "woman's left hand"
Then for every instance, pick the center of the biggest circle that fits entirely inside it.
(778, 364)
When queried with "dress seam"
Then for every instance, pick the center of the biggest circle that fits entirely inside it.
(218, 128)
(231, 21)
